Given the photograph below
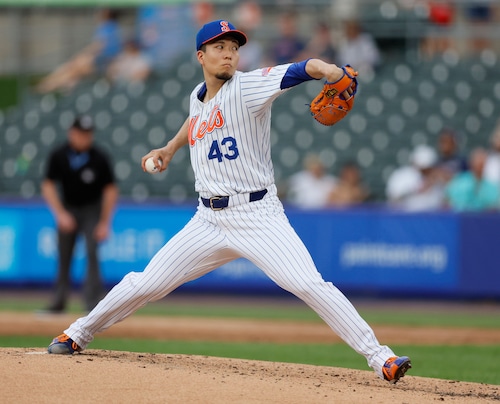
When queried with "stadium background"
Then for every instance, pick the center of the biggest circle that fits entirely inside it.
(405, 102)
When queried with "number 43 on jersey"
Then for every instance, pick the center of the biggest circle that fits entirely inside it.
(226, 149)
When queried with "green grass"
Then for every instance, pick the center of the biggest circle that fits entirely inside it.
(464, 363)
(304, 313)
(292, 312)
(431, 319)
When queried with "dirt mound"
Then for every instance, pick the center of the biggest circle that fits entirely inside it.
(31, 375)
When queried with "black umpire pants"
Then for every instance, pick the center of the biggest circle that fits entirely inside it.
(87, 217)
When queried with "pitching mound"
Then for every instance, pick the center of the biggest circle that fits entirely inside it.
(31, 375)
(99, 376)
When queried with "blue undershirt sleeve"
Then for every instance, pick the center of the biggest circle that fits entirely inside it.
(295, 74)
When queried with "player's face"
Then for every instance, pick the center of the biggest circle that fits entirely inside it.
(220, 58)
(80, 140)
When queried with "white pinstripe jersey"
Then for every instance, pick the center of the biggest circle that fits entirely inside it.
(230, 153)
(229, 135)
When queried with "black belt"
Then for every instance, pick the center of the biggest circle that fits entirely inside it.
(221, 202)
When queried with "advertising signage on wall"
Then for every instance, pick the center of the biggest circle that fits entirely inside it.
(375, 251)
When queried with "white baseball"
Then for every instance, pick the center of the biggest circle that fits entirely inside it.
(150, 165)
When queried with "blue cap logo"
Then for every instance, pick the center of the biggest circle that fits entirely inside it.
(215, 29)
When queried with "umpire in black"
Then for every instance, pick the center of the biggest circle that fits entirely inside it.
(80, 189)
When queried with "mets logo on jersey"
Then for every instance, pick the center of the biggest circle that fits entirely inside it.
(215, 121)
(265, 71)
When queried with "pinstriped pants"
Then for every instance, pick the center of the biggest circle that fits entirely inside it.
(258, 231)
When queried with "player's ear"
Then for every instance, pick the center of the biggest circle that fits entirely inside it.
(200, 56)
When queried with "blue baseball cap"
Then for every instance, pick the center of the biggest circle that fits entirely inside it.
(215, 29)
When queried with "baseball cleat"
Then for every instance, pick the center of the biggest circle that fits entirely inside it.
(395, 368)
(63, 345)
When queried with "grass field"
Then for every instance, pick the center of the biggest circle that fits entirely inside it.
(464, 363)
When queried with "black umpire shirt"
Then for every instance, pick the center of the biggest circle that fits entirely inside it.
(81, 175)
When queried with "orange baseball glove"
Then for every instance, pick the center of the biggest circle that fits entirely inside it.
(335, 100)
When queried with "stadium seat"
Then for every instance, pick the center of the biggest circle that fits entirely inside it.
(402, 105)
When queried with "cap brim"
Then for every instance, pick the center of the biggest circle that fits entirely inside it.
(82, 129)
(240, 37)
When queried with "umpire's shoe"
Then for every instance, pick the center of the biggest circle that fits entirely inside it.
(63, 345)
(395, 368)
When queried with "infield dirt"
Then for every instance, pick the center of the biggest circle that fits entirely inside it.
(98, 376)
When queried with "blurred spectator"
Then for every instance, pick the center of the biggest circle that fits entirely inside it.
(416, 187)
(129, 66)
(311, 187)
(349, 189)
(470, 191)
(441, 15)
(320, 45)
(80, 190)
(248, 15)
(358, 48)
(94, 58)
(492, 166)
(288, 46)
(342, 10)
(165, 32)
(479, 15)
(450, 160)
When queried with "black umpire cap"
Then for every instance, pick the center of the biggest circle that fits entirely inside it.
(83, 122)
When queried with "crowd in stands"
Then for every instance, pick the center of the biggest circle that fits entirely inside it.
(162, 36)
(443, 178)
(315, 188)
(105, 46)
(478, 16)
(437, 176)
